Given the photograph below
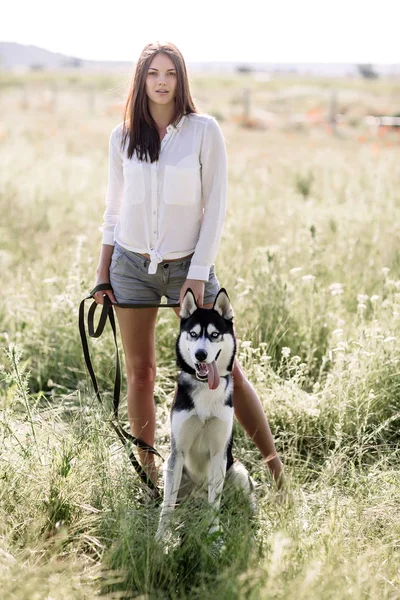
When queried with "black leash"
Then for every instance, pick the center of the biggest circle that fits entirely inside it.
(107, 311)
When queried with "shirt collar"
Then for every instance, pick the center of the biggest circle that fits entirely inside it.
(178, 125)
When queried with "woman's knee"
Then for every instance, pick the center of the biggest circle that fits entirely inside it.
(141, 374)
(239, 378)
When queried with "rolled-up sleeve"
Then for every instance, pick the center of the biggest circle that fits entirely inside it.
(115, 190)
(214, 191)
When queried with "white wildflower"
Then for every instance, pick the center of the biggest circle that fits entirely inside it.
(265, 358)
(295, 270)
(336, 289)
(286, 352)
(337, 332)
(246, 344)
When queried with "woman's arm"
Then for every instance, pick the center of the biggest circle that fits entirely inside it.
(115, 189)
(214, 188)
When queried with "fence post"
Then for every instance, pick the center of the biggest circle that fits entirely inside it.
(333, 111)
(91, 101)
(246, 104)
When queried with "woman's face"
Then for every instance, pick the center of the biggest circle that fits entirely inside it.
(161, 80)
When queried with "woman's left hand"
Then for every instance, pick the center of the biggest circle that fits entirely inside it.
(197, 288)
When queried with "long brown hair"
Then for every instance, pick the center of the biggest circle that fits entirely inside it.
(139, 126)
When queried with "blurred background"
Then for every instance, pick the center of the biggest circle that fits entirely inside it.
(308, 97)
(297, 66)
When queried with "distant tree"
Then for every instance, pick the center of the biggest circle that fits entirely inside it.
(367, 71)
(244, 69)
(37, 67)
(73, 62)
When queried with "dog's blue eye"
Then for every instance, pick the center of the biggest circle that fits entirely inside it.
(193, 334)
(215, 334)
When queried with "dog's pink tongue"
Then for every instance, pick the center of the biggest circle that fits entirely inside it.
(213, 376)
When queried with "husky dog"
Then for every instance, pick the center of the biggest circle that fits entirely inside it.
(202, 411)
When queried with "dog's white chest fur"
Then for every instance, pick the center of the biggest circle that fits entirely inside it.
(210, 403)
(204, 431)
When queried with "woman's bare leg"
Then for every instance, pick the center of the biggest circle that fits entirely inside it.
(250, 414)
(137, 327)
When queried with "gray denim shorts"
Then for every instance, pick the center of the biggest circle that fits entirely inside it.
(131, 282)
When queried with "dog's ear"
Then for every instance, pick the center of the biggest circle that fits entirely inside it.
(223, 305)
(188, 305)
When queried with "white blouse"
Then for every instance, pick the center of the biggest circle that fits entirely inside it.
(175, 206)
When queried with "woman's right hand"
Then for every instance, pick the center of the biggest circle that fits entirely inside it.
(99, 296)
(103, 274)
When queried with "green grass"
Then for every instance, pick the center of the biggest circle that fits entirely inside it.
(310, 259)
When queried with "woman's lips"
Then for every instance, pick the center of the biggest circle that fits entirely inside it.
(162, 92)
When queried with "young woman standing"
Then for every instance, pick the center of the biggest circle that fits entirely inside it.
(165, 208)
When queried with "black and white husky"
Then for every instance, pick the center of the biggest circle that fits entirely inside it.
(202, 412)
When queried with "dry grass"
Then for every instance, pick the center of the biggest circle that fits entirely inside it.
(310, 257)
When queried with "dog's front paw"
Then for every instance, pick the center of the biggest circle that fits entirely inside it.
(165, 539)
(214, 529)
(216, 538)
(161, 534)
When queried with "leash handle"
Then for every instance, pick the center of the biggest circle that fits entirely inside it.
(107, 311)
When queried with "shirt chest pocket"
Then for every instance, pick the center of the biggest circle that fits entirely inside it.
(134, 190)
(182, 181)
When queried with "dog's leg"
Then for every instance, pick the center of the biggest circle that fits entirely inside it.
(173, 477)
(216, 478)
(239, 478)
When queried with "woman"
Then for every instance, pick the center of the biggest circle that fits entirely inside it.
(165, 207)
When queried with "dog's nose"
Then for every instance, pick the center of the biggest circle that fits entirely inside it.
(201, 355)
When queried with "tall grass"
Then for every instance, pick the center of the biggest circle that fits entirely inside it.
(311, 262)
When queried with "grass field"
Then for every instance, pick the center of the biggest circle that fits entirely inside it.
(311, 260)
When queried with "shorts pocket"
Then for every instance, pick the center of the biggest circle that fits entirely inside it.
(182, 181)
(134, 191)
(116, 258)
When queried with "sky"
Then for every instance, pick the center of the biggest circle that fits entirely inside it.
(353, 31)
